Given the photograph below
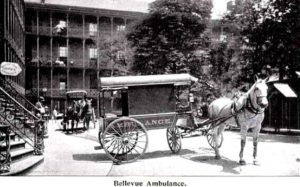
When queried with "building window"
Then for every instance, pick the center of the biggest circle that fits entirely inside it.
(62, 85)
(121, 28)
(63, 51)
(93, 53)
(93, 29)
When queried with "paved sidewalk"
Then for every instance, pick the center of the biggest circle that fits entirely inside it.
(72, 154)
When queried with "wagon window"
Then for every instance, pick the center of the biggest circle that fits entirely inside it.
(115, 102)
(151, 99)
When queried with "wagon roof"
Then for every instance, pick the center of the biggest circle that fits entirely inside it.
(125, 81)
(76, 93)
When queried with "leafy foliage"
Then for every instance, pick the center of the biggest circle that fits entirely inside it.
(115, 51)
(269, 35)
(166, 40)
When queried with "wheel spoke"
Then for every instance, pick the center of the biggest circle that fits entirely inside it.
(120, 128)
(126, 140)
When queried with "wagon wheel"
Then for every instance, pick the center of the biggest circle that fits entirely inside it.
(174, 139)
(124, 140)
(211, 140)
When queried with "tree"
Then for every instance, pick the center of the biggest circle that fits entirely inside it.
(269, 35)
(166, 40)
(115, 51)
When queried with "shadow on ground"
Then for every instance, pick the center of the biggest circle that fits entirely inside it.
(207, 156)
(94, 157)
(166, 153)
(99, 157)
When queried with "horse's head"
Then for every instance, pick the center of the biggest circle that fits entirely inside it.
(259, 93)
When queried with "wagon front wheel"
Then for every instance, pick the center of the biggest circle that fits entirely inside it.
(211, 141)
(125, 140)
(174, 139)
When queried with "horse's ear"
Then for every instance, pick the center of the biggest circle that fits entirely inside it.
(267, 79)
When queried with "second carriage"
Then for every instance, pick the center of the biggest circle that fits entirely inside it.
(79, 111)
(132, 105)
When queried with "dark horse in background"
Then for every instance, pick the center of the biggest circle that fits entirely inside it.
(86, 113)
(78, 110)
(72, 114)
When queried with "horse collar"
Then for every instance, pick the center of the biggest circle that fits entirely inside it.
(251, 108)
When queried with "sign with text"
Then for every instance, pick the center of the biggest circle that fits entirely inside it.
(10, 69)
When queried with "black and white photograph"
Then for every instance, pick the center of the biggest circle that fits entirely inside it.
(149, 92)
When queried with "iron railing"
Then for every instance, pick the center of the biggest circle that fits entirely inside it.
(5, 157)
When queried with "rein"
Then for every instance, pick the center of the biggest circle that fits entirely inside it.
(248, 106)
(251, 108)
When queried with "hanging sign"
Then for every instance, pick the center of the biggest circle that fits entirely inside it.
(10, 68)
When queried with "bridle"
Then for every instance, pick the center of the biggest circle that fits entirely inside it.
(250, 107)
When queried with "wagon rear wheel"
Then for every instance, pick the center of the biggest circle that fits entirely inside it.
(125, 140)
(174, 139)
(211, 141)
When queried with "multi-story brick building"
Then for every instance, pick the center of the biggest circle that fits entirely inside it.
(63, 44)
(12, 39)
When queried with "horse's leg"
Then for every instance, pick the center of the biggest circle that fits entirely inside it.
(72, 123)
(218, 131)
(243, 143)
(215, 139)
(77, 121)
(83, 121)
(88, 119)
(255, 162)
(255, 143)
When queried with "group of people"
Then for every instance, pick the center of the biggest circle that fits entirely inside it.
(78, 110)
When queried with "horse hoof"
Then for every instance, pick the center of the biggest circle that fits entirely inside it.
(256, 162)
(242, 162)
(217, 157)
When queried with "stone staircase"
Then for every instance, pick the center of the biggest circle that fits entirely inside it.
(21, 128)
(22, 156)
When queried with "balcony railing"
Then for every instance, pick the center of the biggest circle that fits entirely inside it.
(46, 92)
(72, 32)
(75, 32)
(92, 64)
(76, 63)
(44, 30)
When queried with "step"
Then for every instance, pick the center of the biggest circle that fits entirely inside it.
(17, 144)
(18, 154)
(14, 145)
(23, 165)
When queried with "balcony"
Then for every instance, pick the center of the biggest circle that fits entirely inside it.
(33, 62)
(76, 63)
(45, 62)
(60, 62)
(46, 92)
(93, 93)
(92, 64)
(45, 30)
(75, 32)
(31, 29)
(72, 32)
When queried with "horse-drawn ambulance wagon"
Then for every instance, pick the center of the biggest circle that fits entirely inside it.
(132, 105)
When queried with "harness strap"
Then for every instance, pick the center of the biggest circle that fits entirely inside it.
(251, 108)
(237, 121)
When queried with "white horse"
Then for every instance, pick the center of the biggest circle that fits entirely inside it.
(247, 112)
